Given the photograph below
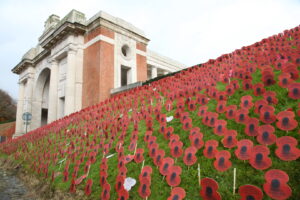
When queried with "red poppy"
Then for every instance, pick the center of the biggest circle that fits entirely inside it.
(229, 140)
(151, 141)
(265, 135)
(177, 193)
(165, 166)
(284, 80)
(103, 177)
(270, 97)
(221, 96)
(146, 172)
(173, 139)
(230, 90)
(212, 118)
(128, 158)
(144, 189)
(210, 148)
(230, 111)
(162, 128)
(286, 121)
(259, 157)
(184, 116)
(221, 106)
(138, 158)
(176, 149)
(189, 157)
(187, 124)
(250, 192)
(202, 110)
(169, 105)
(244, 149)
(73, 186)
(88, 187)
(202, 99)
(220, 127)
(251, 127)
(123, 194)
(196, 140)
(267, 114)
(241, 116)
(147, 136)
(209, 189)
(268, 77)
(153, 150)
(192, 105)
(168, 133)
(160, 154)
(123, 171)
(247, 84)
(105, 194)
(119, 183)
(292, 70)
(258, 89)
(259, 104)
(276, 185)
(173, 177)
(222, 162)
(194, 130)
(246, 102)
(287, 148)
(294, 90)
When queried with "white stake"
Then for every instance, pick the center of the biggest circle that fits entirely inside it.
(143, 165)
(135, 149)
(199, 175)
(234, 180)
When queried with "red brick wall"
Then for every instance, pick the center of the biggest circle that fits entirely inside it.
(141, 46)
(141, 65)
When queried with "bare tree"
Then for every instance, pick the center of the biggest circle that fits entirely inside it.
(7, 107)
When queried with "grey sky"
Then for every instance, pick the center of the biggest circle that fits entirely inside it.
(190, 31)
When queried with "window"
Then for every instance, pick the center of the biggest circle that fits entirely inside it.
(125, 75)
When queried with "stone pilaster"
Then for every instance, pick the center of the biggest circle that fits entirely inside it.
(53, 95)
(153, 72)
(19, 120)
(70, 82)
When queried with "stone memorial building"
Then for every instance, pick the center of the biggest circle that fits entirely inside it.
(79, 62)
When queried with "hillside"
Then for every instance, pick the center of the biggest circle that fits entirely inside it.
(240, 113)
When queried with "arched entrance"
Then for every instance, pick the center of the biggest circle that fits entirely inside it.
(42, 97)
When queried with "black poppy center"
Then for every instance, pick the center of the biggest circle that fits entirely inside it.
(258, 157)
(246, 102)
(158, 158)
(166, 166)
(229, 139)
(196, 141)
(275, 184)
(230, 112)
(269, 81)
(173, 176)
(250, 197)
(219, 128)
(285, 121)
(284, 81)
(210, 149)
(221, 161)
(105, 193)
(241, 117)
(243, 149)
(251, 127)
(286, 149)
(189, 156)
(144, 187)
(153, 151)
(212, 121)
(269, 99)
(267, 115)
(265, 135)
(176, 149)
(221, 107)
(247, 86)
(258, 90)
(122, 198)
(208, 191)
(295, 91)
(221, 97)
(176, 197)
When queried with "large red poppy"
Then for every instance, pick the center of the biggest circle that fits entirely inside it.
(160, 154)
(221, 106)
(292, 70)
(88, 187)
(153, 150)
(244, 149)
(259, 104)
(286, 121)
(221, 96)
(173, 177)
(287, 148)
(176, 149)
(123, 194)
(284, 80)
(294, 90)
(196, 140)
(270, 97)
(144, 189)
(209, 189)
(168, 133)
(177, 193)
(250, 192)
(173, 139)
(259, 157)
(229, 140)
(165, 166)
(222, 162)
(119, 183)
(192, 105)
(139, 157)
(189, 157)
(194, 130)
(258, 89)
(105, 194)
(246, 102)
(241, 115)
(103, 176)
(202, 111)
(230, 90)
(251, 127)
(268, 77)
(147, 136)
(202, 99)
(212, 118)
(276, 185)
(267, 114)
(265, 135)
(146, 172)
(230, 111)
(220, 127)
(247, 84)
(187, 124)
(210, 148)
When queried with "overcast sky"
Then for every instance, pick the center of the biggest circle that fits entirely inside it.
(189, 31)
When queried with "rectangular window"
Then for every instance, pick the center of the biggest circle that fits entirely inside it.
(125, 75)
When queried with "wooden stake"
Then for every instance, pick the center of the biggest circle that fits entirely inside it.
(163, 178)
(143, 165)
(135, 149)
(199, 175)
(234, 180)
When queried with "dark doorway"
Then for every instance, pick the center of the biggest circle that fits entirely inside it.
(44, 117)
(124, 75)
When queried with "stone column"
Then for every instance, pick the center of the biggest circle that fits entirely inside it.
(153, 72)
(70, 83)
(29, 98)
(52, 109)
(19, 120)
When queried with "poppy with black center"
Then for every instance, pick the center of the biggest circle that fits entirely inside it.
(194, 130)
(221, 96)
(235, 84)
(246, 102)
(158, 157)
(229, 140)
(144, 189)
(177, 193)
(230, 90)
(153, 149)
(176, 149)
(258, 89)
(212, 117)
(259, 157)
(146, 172)
(189, 157)
(270, 97)
(202, 99)
(139, 157)
(119, 183)
(72, 186)
(88, 187)
(209, 189)
(265, 135)
(292, 70)
(268, 78)
(173, 139)
(192, 105)
(286, 121)
(244, 148)
(210, 148)
(251, 127)
(123, 194)
(259, 104)
(221, 106)
(103, 176)
(250, 192)
(266, 114)
(276, 185)
(241, 115)
(230, 111)
(220, 127)
(202, 110)
(284, 80)
(187, 124)
(294, 90)
(287, 148)
(196, 140)
(247, 84)
(168, 133)
(222, 162)
(105, 195)
(165, 165)
(173, 177)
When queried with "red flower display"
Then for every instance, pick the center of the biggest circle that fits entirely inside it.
(144, 189)
(221, 106)
(210, 148)
(176, 149)
(209, 189)
(247, 84)
(105, 194)
(165, 166)
(251, 127)
(286, 121)
(259, 157)
(276, 185)
(173, 177)
(196, 140)
(265, 135)
(287, 148)
(259, 104)
(241, 115)
(250, 192)
(244, 149)
(138, 157)
(230, 111)
(187, 124)
(128, 158)
(267, 114)
(220, 127)
(230, 90)
(246, 102)
(168, 133)
(212, 118)
(294, 90)
(284, 80)
(229, 140)
(88, 187)
(222, 162)
(177, 193)
(189, 157)
(158, 157)
(202, 111)
(270, 97)
(258, 89)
